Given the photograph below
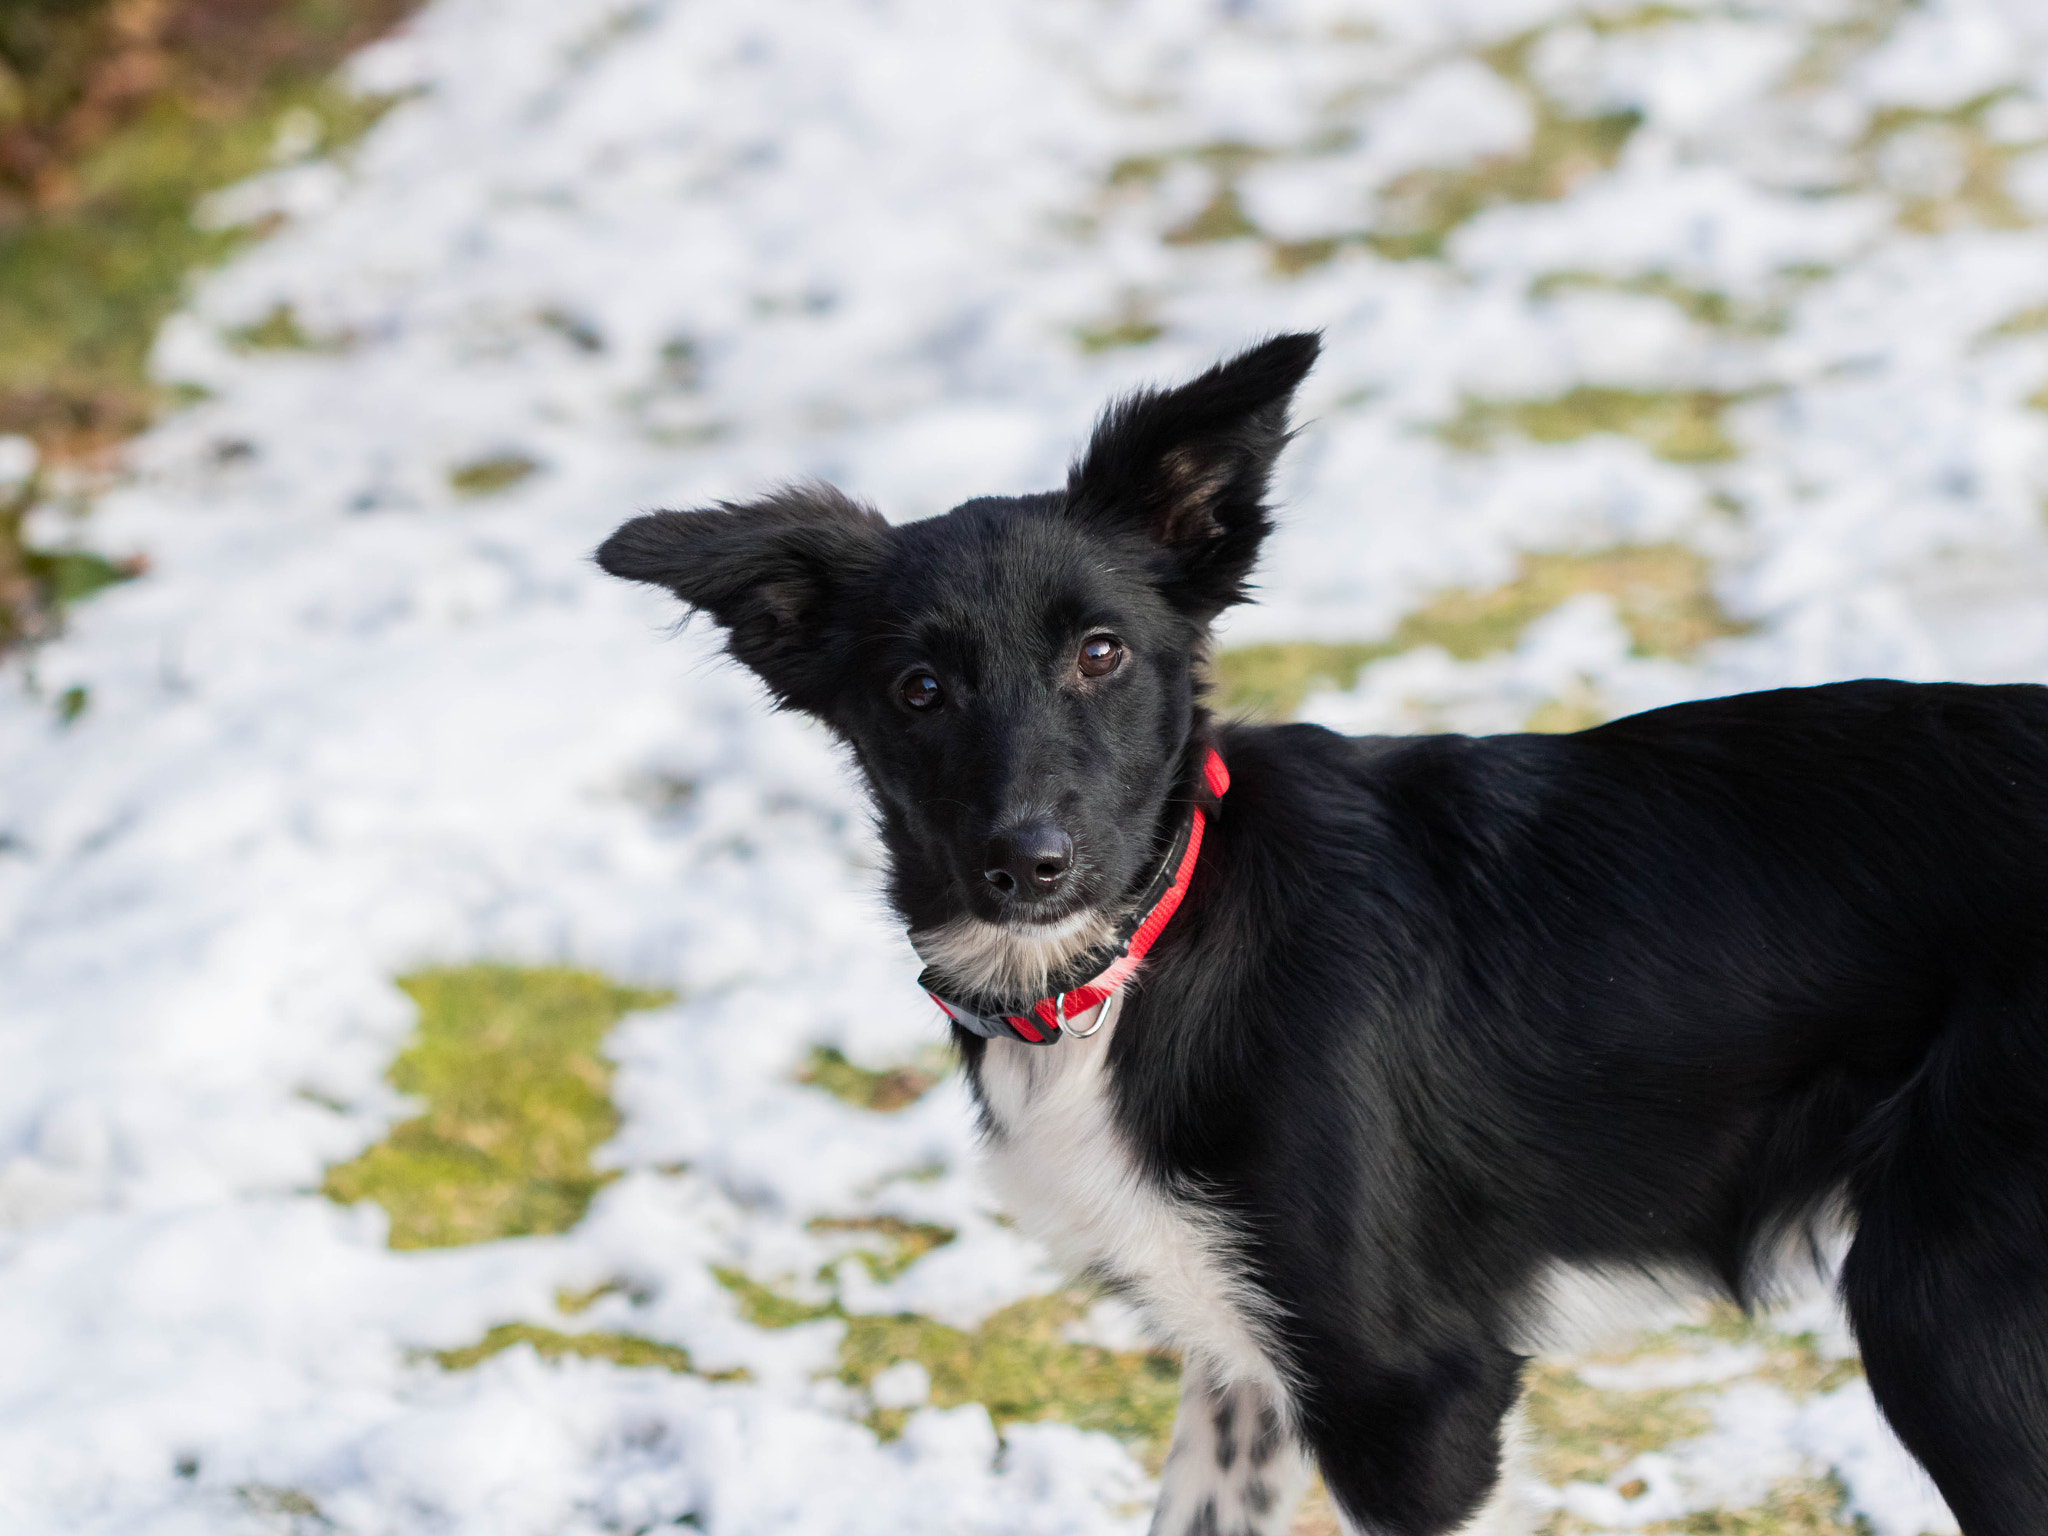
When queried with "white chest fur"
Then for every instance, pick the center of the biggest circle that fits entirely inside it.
(1062, 1164)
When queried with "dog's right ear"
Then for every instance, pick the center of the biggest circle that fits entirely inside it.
(1188, 467)
(766, 571)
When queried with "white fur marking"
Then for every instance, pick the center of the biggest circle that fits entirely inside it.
(1234, 1469)
(1064, 1167)
(1005, 959)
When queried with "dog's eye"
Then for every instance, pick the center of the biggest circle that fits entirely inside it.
(1100, 655)
(920, 690)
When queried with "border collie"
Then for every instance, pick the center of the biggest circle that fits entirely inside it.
(1331, 1053)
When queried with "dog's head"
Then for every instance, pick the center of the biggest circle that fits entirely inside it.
(1017, 678)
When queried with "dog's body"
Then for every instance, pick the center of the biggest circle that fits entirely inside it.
(1438, 1015)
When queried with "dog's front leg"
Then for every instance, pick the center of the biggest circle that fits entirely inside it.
(1235, 1468)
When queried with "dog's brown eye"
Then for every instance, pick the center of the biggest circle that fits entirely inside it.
(1101, 655)
(920, 690)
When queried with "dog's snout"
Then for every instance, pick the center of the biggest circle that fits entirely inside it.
(1030, 860)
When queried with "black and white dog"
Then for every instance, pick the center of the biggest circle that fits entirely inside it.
(1332, 1053)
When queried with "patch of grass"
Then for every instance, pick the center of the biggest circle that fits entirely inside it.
(1943, 166)
(1579, 711)
(1806, 1507)
(2027, 322)
(280, 331)
(116, 118)
(766, 1307)
(1128, 330)
(1662, 592)
(35, 584)
(885, 1091)
(1683, 426)
(575, 1303)
(1419, 211)
(517, 1097)
(1268, 682)
(1016, 1363)
(1837, 43)
(902, 1243)
(1706, 306)
(121, 119)
(1583, 1434)
(490, 475)
(1221, 218)
(626, 1349)
(1289, 258)
(285, 1508)
(1792, 1361)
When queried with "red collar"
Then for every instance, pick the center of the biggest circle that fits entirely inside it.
(1107, 967)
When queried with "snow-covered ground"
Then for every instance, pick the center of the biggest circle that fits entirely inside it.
(355, 722)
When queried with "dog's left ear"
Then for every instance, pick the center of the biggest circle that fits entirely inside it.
(1189, 468)
(769, 572)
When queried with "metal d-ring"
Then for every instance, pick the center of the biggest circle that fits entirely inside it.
(1102, 1012)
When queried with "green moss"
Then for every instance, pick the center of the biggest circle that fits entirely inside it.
(36, 585)
(765, 1307)
(1421, 209)
(1582, 1433)
(1268, 682)
(116, 121)
(619, 1348)
(1662, 594)
(1806, 1507)
(1127, 331)
(885, 1091)
(489, 476)
(2026, 322)
(892, 1245)
(1791, 1361)
(1016, 1362)
(1706, 306)
(1684, 426)
(282, 1508)
(1977, 196)
(1221, 218)
(280, 331)
(574, 1303)
(84, 287)
(1578, 711)
(1289, 258)
(517, 1098)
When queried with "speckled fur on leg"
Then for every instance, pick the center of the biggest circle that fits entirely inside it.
(1234, 1470)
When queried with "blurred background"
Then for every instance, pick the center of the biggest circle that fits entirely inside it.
(459, 1076)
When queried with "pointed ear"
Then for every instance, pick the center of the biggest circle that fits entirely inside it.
(767, 571)
(1189, 466)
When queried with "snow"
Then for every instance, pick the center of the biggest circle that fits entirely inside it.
(353, 722)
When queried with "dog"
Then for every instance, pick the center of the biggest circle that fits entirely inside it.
(1332, 1053)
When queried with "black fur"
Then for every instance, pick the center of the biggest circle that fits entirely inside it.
(1440, 1011)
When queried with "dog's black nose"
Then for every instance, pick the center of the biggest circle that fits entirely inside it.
(1031, 860)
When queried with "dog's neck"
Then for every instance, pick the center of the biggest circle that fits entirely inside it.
(1003, 960)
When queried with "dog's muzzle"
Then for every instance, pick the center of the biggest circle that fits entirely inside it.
(1095, 977)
